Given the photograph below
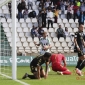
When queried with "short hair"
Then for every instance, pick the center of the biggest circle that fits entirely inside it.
(47, 55)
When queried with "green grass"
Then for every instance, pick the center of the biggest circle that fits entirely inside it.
(53, 78)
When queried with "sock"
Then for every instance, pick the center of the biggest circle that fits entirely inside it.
(82, 65)
(78, 63)
(31, 76)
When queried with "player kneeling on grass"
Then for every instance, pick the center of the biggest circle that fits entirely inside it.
(56, 60)
(36, 67)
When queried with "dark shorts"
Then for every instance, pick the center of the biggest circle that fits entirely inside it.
(81, 53)
(34, 69)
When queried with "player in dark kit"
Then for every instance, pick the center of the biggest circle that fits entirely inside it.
(80, 45)
(36, 67)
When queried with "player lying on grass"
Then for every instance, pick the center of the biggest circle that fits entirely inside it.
(36, 67)
(56, 60)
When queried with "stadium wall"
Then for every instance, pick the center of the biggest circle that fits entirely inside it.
(25, 60)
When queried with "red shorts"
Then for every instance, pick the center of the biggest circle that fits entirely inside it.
(58, 67)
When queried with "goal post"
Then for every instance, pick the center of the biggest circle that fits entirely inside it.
(13, 53)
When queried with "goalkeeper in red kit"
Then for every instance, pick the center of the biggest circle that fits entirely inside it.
(57, 66)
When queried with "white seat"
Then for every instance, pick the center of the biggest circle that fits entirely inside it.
(10, 39)
(34, 20)
(6, 29)
(60, 49)
(21, 48)
(17, 24)
(10, 24)
(64, 44)
(18, 39)
(4, 7)
(27, 34)
(55, 25)
(25, 44)
(53, 34)
(28, 20)
(19, 44)
(75, 29)
(71, 21)
(21, 34)
(5, 24)
(62, 25)
(37, 11)
(67, 25)
(76, 21)
(57, 44)
(55, 39)
(69, 44)
(36, 39)
(29, 39)
(30, 25)
(21, 20)
(31, 44)
(59, 20)
(65, 21)
(51, 44)
(8, 34)
(51, 30)
(70, 29)
(45, 29)
(5, 11)
(34, 50)
(23, 25)
(34, 7)
(73, 25)
(66, 49)
(61, 39)
(9, 20)
(2, 20)
(19, 29)
(23, 39)
(63, 16)
(25, 29)
(54, 50)
(68, 39)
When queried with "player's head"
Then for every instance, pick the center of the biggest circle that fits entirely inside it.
(45, 34)
(47, 55)
(81, 27)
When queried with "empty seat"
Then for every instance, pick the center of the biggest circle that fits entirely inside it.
(17, 24)
(21, 20)
(45, 29)
(69, 44)
(23, 25)
(9, 20)
(68, 39)
(5, 24)
(30, 25)
(76, 21)
(31, 44)
(25, 44)
(36, 39)
(55, 25)
(67, 25)
(59, 20)
(51, 30)
(6, 29)
(28, 20)
(63, 16)
(19, 29)
(55, 39)
(61, 39)
(53, 34)
(25, 29)
(66, 49)
(71, 21)
(8, 34)
(64, 44)
(23, 39)
(5, 11)
(19, 44)
(51, 44)
(4, 7)
(28, 34)
(73, 25)
(75, 29)
(34, 20)
(54, 50)
(2, 20)
(34, 50)
(57, 44)
(21, 34)
(29, 39)
(65, 21)
(60, 49)
(70, 29)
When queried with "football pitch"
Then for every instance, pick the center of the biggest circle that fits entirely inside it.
(53, 78)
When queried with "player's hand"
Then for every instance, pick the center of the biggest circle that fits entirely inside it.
(78, 48)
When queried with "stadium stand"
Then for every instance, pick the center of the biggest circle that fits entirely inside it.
(25, 43)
